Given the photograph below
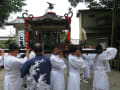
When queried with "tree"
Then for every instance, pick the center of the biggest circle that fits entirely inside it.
(74, 3)
(9, 6)
(95, 4)
(102, 4)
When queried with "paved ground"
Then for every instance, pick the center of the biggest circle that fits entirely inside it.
(114, 78)
(1, 78)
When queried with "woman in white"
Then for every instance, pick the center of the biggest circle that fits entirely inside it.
(75, 64)
(12, 65)
(57, 73)
(100, 81)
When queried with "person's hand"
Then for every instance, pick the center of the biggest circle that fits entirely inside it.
(43, 53)
(27, 53)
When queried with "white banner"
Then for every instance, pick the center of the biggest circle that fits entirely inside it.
(21, 38)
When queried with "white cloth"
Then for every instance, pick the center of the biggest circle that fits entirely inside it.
(1, 60)
(100, 81)
(32, 55)
(89, 60)
(57, 73)
(12, 79)
(107, 68)
(74, 72)
(86, 70)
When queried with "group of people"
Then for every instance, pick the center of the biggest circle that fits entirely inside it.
(36, 71)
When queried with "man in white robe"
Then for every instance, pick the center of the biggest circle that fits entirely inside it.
(75, 64)
(57, 73)
(89, 60)
(32, 53)
(100, 81)
(86, 70)
(12, 65)
(1, 59)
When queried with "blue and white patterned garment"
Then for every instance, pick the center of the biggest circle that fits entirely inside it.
(38, 73)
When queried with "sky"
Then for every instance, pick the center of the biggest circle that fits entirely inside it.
(38, 8)
(7, 31)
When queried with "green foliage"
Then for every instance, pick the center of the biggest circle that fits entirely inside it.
(74, 3)
(101, 4)
(9, 6)
(3, 45)
(94, 4)
(63, 37)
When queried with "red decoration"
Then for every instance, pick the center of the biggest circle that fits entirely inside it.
(27, 36)
(51, 13)
(68, 35)
(27, 32)
(69, 31)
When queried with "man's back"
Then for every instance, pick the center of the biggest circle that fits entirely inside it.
(38, 72)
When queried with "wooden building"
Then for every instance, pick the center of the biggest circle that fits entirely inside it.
(98, 25)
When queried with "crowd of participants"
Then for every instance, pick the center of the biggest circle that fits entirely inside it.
(39, 71)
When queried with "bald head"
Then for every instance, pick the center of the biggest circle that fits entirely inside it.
(37, 44)
(38, 49)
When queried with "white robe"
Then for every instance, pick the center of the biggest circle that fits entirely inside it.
(12, 79)
(74, 72)
(32, 55)
(86, 70)
(89, 59)
(100, 81)
(57, 73)
(1, 60)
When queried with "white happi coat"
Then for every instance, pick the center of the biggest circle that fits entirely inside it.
(100, 81)
(57, 73)
(75, 64)
(12, 79)
(32, 55)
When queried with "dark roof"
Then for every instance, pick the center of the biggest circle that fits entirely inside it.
(49, 21)
(93, 10)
